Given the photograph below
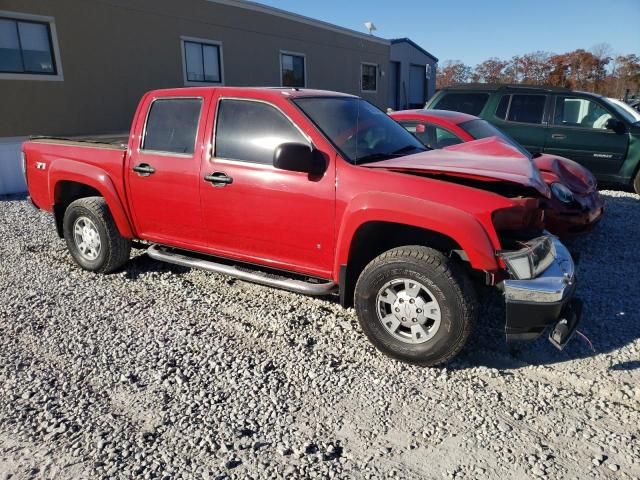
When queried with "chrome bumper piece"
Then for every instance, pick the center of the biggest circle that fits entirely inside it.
(551, 286)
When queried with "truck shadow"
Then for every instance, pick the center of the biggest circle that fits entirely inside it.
(142, 264)
(608, 284)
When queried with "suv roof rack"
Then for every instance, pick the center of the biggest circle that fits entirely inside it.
(504, 86)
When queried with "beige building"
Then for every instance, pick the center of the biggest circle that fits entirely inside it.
(79, 66)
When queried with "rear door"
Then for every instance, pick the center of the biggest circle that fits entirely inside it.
(162, 171)
(578, 132)
(523, 117)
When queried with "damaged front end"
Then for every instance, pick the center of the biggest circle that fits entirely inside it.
(540, 291)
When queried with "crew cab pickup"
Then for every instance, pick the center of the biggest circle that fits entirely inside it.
(319, 193)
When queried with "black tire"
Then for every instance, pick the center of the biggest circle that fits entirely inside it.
(114, 249)
(636, 183)
(446, 282)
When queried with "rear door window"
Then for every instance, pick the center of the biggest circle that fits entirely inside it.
(172, 124)
(525, 108)
(471, 103)
(432, 135)
(251, 131)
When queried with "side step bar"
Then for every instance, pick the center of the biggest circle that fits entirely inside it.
(299, 286)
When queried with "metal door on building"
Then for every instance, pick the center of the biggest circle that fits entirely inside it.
(417, 87)
(393, 100)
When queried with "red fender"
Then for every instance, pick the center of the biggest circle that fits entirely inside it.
(92, 176)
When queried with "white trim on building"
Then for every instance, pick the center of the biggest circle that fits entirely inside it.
(257, 7)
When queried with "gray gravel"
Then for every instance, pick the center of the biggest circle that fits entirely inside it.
(164, 372)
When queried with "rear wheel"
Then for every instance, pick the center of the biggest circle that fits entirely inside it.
(636, 183)
(92, 236)
(415, 305)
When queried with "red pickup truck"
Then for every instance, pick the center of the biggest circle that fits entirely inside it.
(319, 193)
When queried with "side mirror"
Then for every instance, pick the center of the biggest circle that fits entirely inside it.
(615, 125)
(299, 157)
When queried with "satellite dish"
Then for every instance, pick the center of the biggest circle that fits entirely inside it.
(370, 26)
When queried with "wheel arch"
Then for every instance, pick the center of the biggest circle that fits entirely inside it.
(70, 180)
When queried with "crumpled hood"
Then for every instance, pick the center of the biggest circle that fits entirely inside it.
(488, 159)
(572, 174)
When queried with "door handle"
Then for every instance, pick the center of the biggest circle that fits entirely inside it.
(218, 179)
(558, 136)
(144, 169)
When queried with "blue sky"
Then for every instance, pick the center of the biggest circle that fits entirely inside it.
(473, 31)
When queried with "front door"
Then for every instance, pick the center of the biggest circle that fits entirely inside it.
(255, 212)
(163, 172)
(578, 132)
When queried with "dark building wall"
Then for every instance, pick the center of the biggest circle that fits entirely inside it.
(112, 51)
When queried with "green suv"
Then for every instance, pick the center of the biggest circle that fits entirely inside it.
(584, 127)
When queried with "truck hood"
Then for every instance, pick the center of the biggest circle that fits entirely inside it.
(485, 160)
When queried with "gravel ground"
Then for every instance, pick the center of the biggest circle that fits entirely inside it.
(163, 372)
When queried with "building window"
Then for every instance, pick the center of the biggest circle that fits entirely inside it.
(27, 47)
(202, 61)
(369, 82)
(293, 70)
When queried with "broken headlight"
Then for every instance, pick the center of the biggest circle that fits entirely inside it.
(531, 260)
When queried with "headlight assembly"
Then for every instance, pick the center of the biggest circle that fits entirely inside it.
(530, 261)
(562, 193)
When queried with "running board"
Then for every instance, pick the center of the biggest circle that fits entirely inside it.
(299, 286)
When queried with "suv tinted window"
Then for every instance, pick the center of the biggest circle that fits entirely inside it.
(471, 103)
(251, 131)
(580, 112)
(526, 108)
(172, 125)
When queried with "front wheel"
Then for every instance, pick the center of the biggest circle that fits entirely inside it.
(415, 305)
(92, 236)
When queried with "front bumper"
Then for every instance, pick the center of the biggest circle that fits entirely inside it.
(533, 305)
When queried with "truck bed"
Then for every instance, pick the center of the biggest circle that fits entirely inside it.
(114, 141)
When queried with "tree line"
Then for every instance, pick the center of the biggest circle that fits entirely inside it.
(595, 70)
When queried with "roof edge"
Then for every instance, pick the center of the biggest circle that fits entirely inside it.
(415, 45)
(259, 7)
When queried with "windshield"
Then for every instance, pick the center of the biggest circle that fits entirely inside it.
(361, 132)
(482, 129)
(624, 110)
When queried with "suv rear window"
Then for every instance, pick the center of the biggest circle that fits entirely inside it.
(471, 103)
(172, 125)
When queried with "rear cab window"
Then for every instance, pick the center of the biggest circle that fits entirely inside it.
(471, 103)
(172, 125)
(432, 136)
(250, 131)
